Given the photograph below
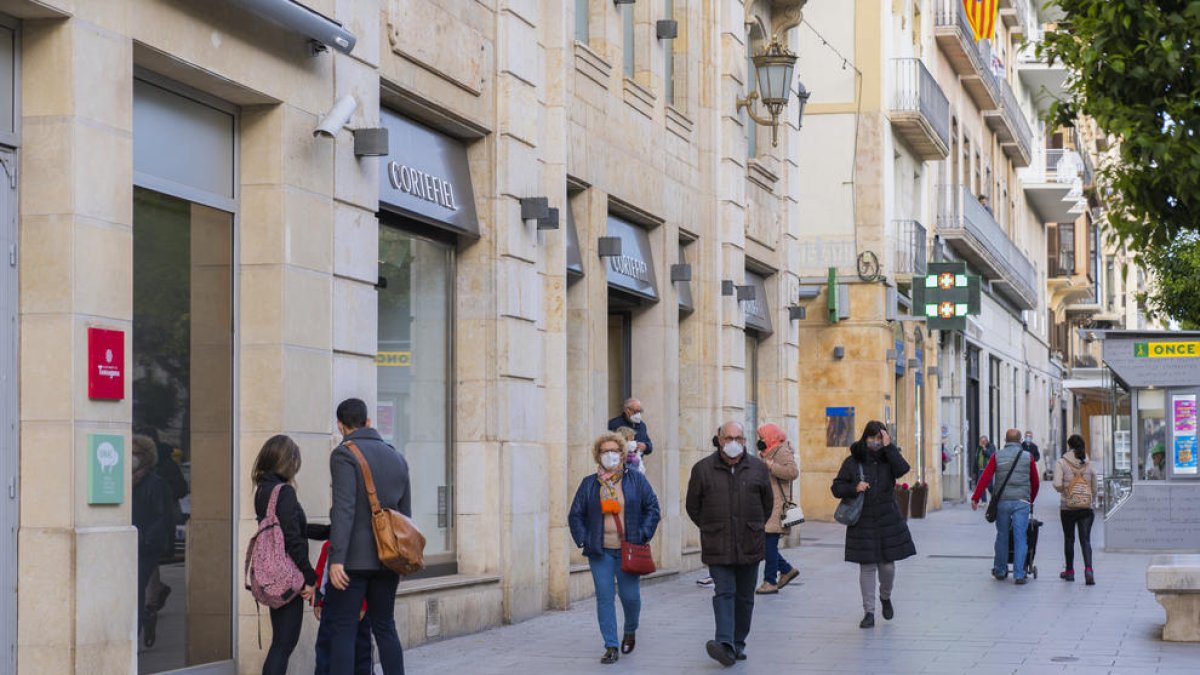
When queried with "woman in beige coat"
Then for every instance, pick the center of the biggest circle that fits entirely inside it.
(1075, 480)
(777, 454)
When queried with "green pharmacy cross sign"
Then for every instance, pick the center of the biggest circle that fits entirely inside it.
(946, 296)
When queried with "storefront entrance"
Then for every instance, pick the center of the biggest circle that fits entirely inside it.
(182, 368)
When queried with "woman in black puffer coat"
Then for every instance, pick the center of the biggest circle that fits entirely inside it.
(880, 537)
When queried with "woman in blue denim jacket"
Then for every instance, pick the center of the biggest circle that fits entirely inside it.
(610, 494)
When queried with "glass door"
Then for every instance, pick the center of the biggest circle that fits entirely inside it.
(182, 449)
(8, 414)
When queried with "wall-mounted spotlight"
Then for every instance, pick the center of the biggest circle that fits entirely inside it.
(624, 2)
(371, 142)
(336, 118)
(797, 313)
(550, 222)
(666, 29)
(681, 272)
(746, 293)
(610, 247)
(839, 352)
(534, 208)
(320, 29)
(728, 287)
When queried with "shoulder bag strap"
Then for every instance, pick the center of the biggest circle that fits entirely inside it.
(1016, 461)
(273, 501)
(368, 480)
(620, 529)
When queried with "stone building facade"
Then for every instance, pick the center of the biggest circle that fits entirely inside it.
(170, 200)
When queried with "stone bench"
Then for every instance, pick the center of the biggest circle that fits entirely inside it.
(1175, 582)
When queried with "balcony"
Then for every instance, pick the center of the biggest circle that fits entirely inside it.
(910, 249)
(920, 112)
(1048, 181)
(1047, 82)
(969, 61)
(1011, 127)
(1015, 14)
(976, 236)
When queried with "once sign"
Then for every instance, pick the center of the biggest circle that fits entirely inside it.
(1166, 350)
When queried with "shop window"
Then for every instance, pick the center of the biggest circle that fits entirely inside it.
(582, 22)
(620, 360)
(754, 342)
(413, 368)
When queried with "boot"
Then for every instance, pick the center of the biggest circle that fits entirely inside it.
(868, 621)
(1067, 575)
(1089, 577)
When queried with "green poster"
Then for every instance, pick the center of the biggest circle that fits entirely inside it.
(106, 469)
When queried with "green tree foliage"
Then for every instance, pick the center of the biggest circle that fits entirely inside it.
(1134, 68)
(1177, 267)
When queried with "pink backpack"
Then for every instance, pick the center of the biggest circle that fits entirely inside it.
(271, 575)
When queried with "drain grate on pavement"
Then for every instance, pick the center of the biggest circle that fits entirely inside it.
(1064, 659)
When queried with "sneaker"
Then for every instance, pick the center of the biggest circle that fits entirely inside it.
(706, 582)
(1089, 577)
(999, 576)
(721, 653)
(868, 621)
(787, 577)
(1067, 575)
(767, 588)
(888, 610)
(1021, 581)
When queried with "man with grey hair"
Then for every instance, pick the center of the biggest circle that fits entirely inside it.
(729, 498)
(631, 416)
(1016, 477)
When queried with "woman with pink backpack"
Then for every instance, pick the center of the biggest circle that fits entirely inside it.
(1075, 480)
(280, 571)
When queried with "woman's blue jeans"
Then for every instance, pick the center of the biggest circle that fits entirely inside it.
(610, 580)
(774, 563)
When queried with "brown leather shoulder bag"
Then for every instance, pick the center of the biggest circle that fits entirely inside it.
(400, 545)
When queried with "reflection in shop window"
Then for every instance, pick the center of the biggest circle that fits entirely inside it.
(413, 369)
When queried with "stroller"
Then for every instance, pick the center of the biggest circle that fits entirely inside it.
(1031, 539)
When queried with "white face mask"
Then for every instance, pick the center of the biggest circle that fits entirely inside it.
(610, 460)
(636, 418)
(631, 446)
(733, 449)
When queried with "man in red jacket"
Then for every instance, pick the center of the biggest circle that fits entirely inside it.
(1016, 488)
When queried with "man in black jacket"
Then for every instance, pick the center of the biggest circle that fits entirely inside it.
(729, 498)
(355, 573)
(631, 416)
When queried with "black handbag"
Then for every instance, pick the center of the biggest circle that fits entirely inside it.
(990, 514)
(850, 509)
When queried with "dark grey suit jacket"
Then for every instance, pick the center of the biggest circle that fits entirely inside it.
(351, 540)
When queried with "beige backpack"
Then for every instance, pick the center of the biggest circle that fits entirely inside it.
(1078, 493)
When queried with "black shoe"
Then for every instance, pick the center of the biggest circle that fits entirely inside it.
(998, 576)
(610, 655)
(721, 653)
(628, 643)
(741, 656)
(868, 621)
(162, 599)
(1022, 581)
(149, 627)
(888, 610)
(1089, 577)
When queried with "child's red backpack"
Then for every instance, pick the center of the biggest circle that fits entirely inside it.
(271, 575)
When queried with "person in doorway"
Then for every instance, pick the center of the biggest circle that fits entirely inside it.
(631, 416)
(167, 469)
(151, 513)
(1075, 480)
(983, 454)
(880, 537)
(275, 468)
(613, 505)
(1031, 447)
(1158, 463)
(355, 572)
(1016, 495)
(775, 451)
(729, 498)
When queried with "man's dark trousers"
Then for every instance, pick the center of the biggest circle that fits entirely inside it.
(733, 602)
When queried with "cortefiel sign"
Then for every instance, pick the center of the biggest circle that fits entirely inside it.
(106, 364)
(633, 270)
(426, 176)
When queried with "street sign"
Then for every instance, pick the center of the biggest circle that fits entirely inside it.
(946, 296)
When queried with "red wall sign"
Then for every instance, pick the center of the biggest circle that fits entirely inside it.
(106, 364)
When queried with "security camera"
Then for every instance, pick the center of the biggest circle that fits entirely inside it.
(337, 118)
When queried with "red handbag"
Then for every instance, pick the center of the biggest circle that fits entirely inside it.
(636, 559)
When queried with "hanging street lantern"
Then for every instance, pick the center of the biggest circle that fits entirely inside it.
(774, 66)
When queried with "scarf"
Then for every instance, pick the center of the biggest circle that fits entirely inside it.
(610, 482)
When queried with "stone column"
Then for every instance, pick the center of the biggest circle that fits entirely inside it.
(77, 563)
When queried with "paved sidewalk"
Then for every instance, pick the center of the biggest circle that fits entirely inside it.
(951, 617)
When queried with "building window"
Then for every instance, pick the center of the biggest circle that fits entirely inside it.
(994, 402)
(753, 346)
(628, 30)
(413, 370)
(582, 26)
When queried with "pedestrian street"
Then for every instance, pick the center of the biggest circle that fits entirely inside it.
(951, 617)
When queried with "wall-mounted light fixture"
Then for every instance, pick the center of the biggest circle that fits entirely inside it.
(534, 208)
(371, 142)
(802, 94)
(747, 292)
(933, 371)
(891, 355)
(550, 222)
(666, 29)
(773, 69)
(320, 29)
(624, 2)
(337, 117)
(914, 364)
(681, 272)
(797, 313)
(839, 352)
(610, 247)
(728, 287)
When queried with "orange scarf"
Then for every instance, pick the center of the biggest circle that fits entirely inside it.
(610, 482)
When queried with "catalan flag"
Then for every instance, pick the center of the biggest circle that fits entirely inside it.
(981, 14)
